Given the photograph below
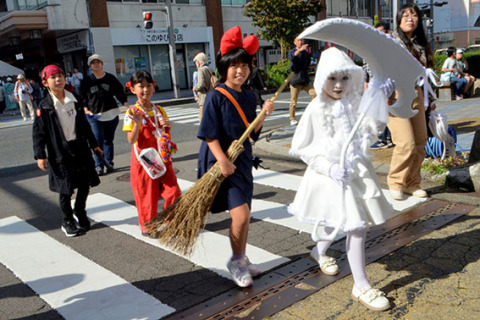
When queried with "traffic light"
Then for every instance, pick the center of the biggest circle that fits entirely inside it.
(147, 20)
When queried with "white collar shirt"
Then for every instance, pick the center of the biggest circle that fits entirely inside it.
(66, 114)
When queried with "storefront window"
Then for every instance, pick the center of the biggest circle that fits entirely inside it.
(30, 4)
(161, 66)
(351, 8)
(234, 2)
(130, 59)
(192, 50)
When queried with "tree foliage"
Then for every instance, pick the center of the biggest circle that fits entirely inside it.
(281, 21)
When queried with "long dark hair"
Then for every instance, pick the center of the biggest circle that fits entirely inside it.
(233, 56)
(418, 34)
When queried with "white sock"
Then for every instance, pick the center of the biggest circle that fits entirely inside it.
(323, 245)
(356, 258)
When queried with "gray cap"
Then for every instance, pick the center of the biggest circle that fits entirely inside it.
(460, 50)
(94, 57)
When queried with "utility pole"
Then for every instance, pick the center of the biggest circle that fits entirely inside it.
(172, 49)
(171, 46)
(394, 14)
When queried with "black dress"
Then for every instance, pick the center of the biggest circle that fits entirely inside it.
(221, 121)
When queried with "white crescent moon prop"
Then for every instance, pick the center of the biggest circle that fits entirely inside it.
(384, 55)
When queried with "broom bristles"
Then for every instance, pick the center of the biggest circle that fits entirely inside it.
(178, 226)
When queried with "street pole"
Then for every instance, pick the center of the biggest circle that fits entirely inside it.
(432, 38)
(172, 49)
(394, 13)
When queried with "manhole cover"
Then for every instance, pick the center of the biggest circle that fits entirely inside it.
(124, 177)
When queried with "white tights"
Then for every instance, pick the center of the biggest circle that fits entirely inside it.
(355, 246)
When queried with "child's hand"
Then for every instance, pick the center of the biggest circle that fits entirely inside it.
(227, 167)
(165, 123)
(135, 115)
(98, 151)
(268, 106)
(339, 174)
(42, 164)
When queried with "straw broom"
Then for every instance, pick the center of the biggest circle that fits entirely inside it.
(178, 226)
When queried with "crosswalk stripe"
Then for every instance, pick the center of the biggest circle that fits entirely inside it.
(74, 286)
(211, 251)
(276, 179)
(190, 115)
(277, 213)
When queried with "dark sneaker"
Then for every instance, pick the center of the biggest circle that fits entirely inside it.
(110, 168)
(70, 229)
(84, 224)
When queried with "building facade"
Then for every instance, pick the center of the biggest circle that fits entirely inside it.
(34, 33)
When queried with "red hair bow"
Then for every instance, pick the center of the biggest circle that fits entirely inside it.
(232, 39)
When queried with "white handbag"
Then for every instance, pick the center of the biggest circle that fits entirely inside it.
(151, 161)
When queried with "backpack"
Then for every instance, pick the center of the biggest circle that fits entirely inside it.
(213, 80)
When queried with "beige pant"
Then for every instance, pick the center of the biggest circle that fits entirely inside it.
(23, 104)
(410, 137)
(295, 91)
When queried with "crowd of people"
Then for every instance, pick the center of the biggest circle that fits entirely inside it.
(76, 118)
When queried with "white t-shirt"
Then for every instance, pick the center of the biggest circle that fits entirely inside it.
(66, 114)
(449, 64)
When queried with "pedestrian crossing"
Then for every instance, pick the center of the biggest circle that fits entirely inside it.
(189, 115)
(78, 288)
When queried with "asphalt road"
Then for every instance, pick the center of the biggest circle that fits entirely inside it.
(175, 281)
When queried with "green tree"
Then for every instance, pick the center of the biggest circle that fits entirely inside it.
(281, 21)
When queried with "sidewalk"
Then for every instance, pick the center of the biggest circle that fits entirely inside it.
(13, 118)
(435, 277)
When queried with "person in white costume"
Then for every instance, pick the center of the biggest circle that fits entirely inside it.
(345, 199)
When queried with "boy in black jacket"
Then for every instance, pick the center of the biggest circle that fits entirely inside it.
(61, 128)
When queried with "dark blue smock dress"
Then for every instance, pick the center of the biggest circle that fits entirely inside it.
(222, 121)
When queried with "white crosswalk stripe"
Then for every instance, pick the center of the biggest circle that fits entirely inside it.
(81, 289)
(75, 286)
(189, 115)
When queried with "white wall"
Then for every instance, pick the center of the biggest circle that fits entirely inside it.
(102, 42)
(69, 15)
(127, 15)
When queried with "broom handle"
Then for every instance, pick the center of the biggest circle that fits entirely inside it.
(254, 123)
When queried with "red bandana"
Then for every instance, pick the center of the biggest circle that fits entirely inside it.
(232, 39)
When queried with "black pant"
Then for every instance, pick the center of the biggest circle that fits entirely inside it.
(80, 203)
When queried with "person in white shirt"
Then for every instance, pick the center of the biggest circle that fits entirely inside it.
(23, 91)
(77, 78)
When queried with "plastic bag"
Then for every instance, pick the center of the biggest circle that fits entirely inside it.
(438, 124)
(151, 161)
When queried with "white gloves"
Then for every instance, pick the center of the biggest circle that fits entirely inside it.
(339, 175)
(388, 87)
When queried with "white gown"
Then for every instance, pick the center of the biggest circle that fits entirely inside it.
(318, 141)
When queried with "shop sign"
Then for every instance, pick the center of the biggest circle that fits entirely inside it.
(160, 36)
(72, 42)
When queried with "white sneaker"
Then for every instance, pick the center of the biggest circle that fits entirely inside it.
(373, 299)
(327, 264)
(396, 194)
(293, 122)
(419, 193)
(253, 269)
(240, 274)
